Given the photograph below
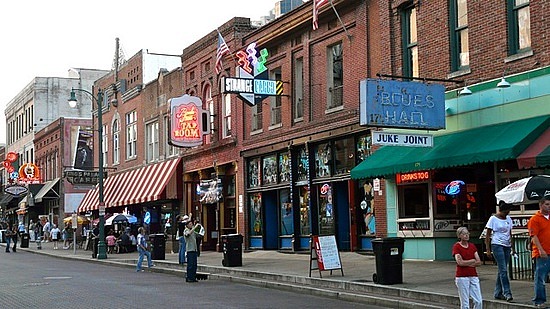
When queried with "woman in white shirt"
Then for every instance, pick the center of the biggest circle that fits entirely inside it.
(499, 244)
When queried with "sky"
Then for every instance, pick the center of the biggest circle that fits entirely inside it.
(47, 38)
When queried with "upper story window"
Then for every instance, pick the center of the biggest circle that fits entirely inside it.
(116, 141)
(519, 26)
(226, 115)
(298, 98)
(152, 140)
(460, 56)
(131, 135)
(168, 149)
(104, 145)
(410, 43)
(275, 101)
(257, 117)
(335, 76)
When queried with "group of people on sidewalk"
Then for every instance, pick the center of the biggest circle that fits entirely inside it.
(499, 244)
(190, 233)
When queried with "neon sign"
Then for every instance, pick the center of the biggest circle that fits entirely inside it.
(252, 84)
(453, 188)
(189, 121)
(29, 173)
(412, 177)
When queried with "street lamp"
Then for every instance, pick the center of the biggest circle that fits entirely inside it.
(101, 247)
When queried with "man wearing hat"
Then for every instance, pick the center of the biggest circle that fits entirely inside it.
(179, 236)
(499, 244)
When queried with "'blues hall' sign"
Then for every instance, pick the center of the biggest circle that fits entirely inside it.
(397, 104)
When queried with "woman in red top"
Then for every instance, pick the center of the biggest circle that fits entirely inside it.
(466, 279)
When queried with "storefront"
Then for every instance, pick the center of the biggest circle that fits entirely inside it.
(433, 191)
(306, 190)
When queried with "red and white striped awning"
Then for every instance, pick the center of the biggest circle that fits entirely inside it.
(141, 185)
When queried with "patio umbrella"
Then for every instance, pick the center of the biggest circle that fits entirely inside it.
(525, 190)
(121, 218)
(80, 219)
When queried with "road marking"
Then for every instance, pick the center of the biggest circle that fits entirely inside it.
(56, 278)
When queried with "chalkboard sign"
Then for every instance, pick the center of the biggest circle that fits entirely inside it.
(324, 251)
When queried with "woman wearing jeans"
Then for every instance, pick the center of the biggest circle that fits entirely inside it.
(499, 244)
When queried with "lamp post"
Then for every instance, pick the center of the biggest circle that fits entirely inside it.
(101, 247)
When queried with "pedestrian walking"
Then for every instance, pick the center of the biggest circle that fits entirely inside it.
(142, 250)
(466, 279)
(65, 236)
(32, 235)
(191, 250)
(181, 239)
(8, 235)
(498, 241)
(55, 234)
(14, 234)
(539, 230)
(46, 229)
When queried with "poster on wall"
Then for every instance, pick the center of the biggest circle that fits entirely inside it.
(82, 148)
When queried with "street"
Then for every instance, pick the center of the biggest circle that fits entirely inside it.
(36, 281)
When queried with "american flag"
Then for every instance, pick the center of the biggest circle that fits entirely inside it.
(316, 5)
(223, 50)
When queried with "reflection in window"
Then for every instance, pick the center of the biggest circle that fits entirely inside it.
(363, 148)
(326, 211)
(410, 44)
(336, 76)
(286, 213)
(304, 211)
(323, 155)
(343, 155)
(460, 56)
(255, 203)
(302, 164)
(254, 173)
(269, 170)
(284, 167)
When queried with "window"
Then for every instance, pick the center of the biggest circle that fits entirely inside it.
(116, 142)
(413, 201)
(226, 115)
(335, 76)
(275, 101)
(168, 149)
(257, 117)
(519, 26)
(298, 106)
(287, 214)
(105, 145)
(460, 56)
(131, 135)
(255, 204)
(152, 137)
(410, 47)
(343, 155)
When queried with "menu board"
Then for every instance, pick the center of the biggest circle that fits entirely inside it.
(326, 250)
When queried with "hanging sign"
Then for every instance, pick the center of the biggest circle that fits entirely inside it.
(29, 173)
(188, 121)
(400, 139)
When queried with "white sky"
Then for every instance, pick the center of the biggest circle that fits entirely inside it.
(47, 38)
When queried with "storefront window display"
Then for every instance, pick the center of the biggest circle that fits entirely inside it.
(269, 170)
(284, 167)
(326, 210)
(323, 158)
(255, 202)
(286, 213)
(343, 155)
(363, 148)
(254, 173)
(304, 211)
(414, 201)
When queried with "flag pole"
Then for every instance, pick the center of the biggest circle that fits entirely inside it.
(341, 22)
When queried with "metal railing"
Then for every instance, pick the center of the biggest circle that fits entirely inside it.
(522, 267)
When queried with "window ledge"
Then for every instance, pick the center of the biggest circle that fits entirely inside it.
(519, 55)
(334, 109)
(275, 126)
(458, 73)
(256, 132)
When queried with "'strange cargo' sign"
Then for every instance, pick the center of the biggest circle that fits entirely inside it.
(397, 104)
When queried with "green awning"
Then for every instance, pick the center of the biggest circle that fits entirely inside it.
(492, 143)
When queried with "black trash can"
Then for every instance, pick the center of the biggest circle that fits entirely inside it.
(389, 260)
(232, 250)
(95, 241)
(25, 237)
(158, 245)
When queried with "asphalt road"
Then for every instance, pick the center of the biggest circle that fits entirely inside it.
(35, 281)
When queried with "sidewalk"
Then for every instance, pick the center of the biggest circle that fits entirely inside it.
(428, 277)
